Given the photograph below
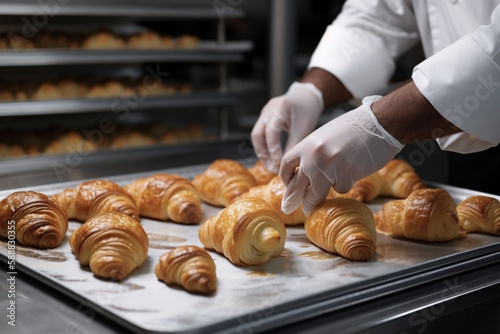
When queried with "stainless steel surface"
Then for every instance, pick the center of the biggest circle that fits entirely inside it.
(301, 283)
(208, 51)
(174, 9)
(118, 105)
(283, 35)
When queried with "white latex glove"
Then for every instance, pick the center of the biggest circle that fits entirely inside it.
(339, 153)
(296, 112)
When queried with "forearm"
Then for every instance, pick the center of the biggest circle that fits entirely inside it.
(407, 115)
(332, 89)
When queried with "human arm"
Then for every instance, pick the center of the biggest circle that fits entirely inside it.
(462, 82)
(357, 144)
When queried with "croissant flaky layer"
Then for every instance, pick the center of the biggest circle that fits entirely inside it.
(189, 266)
(112, 244)
(343, 226)
(165, 196)
(38, 220)
(248, 232)
(426, 215)
(272, 193)
(261, 174)
(92, 198)
(480, 214)
(396, 179)
(223, 181)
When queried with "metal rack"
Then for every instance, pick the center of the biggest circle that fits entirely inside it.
(219, 52)
(87, 105)
(208, 52)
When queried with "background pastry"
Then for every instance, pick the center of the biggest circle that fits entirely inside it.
(223, 181)
(112, 244)
(479, 214)
(188, 266)
(166, 196)
(93, 198)
(426, 215)
(343, 226)
(39, 220)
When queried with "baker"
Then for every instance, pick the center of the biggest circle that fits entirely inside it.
(453, 95)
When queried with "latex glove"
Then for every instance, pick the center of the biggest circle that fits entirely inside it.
(344, 150)
(296, 112)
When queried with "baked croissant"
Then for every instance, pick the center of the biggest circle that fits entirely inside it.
(479, 214)
(343, 226)
(165, 196)
(112, 244)
(248, 232)
(272, 193)
(426, 215)
(261, 174)
(92, 198)
(399, 179)
(223, 181)
(189, 266)
(39, 220)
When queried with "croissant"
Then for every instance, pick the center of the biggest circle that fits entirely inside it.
(189, 266)
(165, 196)
(92, 198)
(223, 181)
(426, 215)
(479, 214)
(39, 220)
(112, 244)
(248, 232)
(343, 226)
(261, 174)
(399, 179)
(272, 193)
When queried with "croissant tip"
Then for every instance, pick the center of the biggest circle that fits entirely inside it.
(270, 238)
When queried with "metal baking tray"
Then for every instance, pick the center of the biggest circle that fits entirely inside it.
(301, 283)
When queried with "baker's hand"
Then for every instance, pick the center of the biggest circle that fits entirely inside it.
(296, 112)
(346, 149)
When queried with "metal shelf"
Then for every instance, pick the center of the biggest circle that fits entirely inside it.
(85, 105)
(128, 9)
(206, 52)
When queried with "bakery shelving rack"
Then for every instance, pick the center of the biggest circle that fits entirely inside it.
(218, 52)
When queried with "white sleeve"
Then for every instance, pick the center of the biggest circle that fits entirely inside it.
(362, 43)
(462, 82)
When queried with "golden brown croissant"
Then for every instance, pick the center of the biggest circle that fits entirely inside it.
(426, 215)
(399, 179)
(92, 198)
(366, 189)
(343, 226)
(479, 214)
(36, 219)
(248, 232)
(261, 174)
(272, 193)
(223, 181)
(112, 244)
(189, 266)
(165, 196)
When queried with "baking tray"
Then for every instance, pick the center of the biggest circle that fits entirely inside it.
(301, 283)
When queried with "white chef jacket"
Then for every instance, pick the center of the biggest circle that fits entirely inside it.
(460, 77)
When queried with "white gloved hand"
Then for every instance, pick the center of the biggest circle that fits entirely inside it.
(346, 149)
(296, 112)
